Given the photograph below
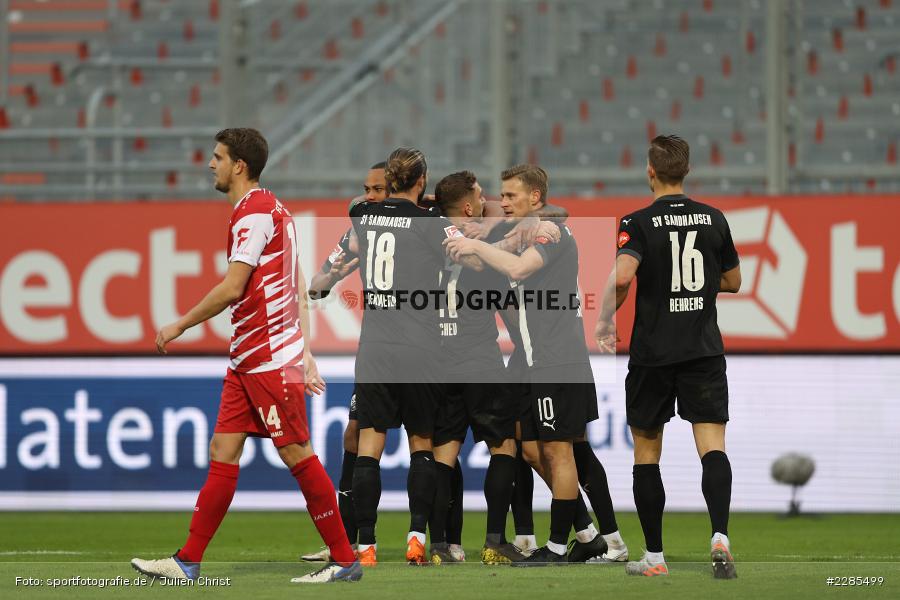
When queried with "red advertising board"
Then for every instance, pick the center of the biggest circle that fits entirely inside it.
(819, 273)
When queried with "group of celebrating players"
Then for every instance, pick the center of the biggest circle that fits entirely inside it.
(435, 273)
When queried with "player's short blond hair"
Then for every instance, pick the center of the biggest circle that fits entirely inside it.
(532, 176)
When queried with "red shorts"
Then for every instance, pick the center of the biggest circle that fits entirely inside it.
(264, 405)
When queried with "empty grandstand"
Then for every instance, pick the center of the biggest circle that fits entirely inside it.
(118, 99)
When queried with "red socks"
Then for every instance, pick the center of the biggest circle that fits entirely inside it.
(218, 491)
(212, 504)
(323, 508)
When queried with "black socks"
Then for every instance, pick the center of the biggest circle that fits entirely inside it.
(455, 517)
(562, 516)
(592, 478)
(345, 496)
(498, 491)
(717, 489)
(650, 500)
(437, 522)
(523, 494)
(421, 484)
(582, 516)
(366, 496)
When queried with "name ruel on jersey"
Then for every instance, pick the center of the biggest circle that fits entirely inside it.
(685, 304)
(682, 220)
(449, 329)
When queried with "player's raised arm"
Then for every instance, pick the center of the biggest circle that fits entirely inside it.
(333, 271)
(220, 297)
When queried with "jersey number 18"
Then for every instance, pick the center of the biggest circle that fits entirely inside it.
(380, 255)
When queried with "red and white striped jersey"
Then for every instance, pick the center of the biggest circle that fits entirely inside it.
(266, 323)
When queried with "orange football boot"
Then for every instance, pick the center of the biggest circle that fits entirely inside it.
(367, 557)
(415, 552)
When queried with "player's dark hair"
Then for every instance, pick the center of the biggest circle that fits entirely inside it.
(453, 188)
(670, 156)
(532, 176)
(403, 169)
(378, 165)
(248, 145)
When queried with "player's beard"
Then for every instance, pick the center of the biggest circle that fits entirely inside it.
(223, 187)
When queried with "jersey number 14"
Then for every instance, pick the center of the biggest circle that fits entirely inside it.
(687, 267)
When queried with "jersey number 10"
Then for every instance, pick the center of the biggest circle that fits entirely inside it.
(687, 268)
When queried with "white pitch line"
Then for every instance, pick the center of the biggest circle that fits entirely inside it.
(38, 552)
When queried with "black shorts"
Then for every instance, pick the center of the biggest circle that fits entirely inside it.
(562, 401)
(520, 390)
(700, 387)
(395, 386)
(489, 408)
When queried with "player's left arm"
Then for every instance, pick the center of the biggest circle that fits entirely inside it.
(218, 299)
(529, 231)
(731, 263)
(731, 280)
(314, 383)
(513, 266)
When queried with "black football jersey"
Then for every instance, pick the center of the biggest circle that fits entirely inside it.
(552, 329)
(401, 256)
(468, 320)
(683, 247)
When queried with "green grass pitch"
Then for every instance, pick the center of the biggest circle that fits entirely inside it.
(777, 558)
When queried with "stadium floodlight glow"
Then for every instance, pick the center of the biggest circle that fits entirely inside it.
(795, 470)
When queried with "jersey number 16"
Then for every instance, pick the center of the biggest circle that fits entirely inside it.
(687, 267)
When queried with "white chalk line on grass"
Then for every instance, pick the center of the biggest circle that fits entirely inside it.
(843, 558)
(38, 552)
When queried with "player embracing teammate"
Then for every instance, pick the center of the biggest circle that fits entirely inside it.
(398, 363)
(558, 387)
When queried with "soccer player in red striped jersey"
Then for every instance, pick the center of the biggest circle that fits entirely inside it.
(270, 369)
